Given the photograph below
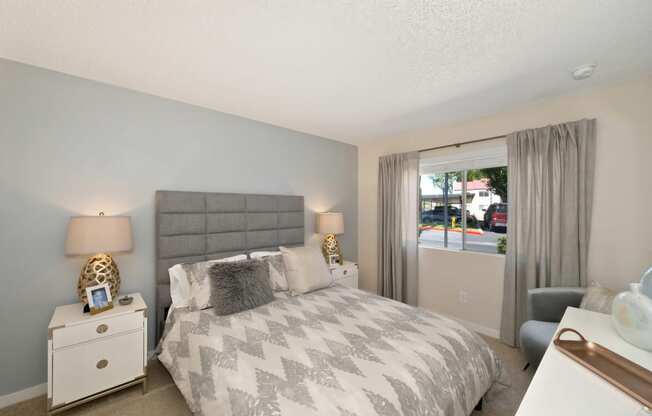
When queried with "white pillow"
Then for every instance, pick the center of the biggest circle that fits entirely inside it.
(259, 254)
(179, 286)
(598, 299)
(189, 283)
(306, 269)
(277, 271)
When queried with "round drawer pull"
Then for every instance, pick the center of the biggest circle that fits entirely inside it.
(102, 364)
(345, 272)
(102, 328)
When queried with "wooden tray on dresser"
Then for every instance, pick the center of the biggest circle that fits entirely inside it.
(631, 378)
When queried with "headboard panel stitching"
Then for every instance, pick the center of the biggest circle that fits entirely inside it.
(246, 230)
(205, 225)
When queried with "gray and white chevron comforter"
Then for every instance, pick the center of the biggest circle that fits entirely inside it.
(336, 351)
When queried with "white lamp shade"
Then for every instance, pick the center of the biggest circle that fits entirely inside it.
(330, 223)
(98, 234)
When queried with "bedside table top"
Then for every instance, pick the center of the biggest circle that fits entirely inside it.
(73, 314)
(347, 265)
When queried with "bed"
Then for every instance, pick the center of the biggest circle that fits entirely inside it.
(334, 351)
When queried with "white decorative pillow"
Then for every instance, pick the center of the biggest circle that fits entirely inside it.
(598, 299)
(306, 269)
(260, 254)
(179, 286)
(190, 283)
(277, 271)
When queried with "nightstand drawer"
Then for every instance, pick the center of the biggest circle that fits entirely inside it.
(88, 368)
(343, 272)
(98, 329)
(351, 281)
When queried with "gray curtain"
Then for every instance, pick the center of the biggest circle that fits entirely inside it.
(397, 226)
(550, 191)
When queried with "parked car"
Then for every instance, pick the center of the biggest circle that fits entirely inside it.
(495, 218)
(436, 216)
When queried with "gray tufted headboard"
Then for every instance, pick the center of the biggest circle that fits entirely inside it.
(199, 226)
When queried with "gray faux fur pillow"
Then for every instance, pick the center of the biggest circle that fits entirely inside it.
(239, 286)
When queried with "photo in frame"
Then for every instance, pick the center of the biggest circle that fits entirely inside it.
(99, 298)
(333, 259)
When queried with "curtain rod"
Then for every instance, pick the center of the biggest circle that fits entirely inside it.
(462, 143)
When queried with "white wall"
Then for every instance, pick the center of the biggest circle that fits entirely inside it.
(69, 146)
(621, 232)
(463, 284)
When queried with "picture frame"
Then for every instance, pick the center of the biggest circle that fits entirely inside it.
(333, 260)
(99, 298)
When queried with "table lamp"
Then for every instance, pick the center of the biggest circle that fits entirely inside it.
(98, 236)
(330, 224)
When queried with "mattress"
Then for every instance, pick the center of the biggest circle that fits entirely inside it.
(335, 351)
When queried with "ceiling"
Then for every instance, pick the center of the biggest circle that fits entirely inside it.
(349, 70)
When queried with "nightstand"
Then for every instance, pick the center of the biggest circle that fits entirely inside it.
(91, 356)
(345, 274)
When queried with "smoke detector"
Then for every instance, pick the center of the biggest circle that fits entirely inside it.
(583, 71)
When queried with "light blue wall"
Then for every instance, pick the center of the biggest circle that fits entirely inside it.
(69, 146)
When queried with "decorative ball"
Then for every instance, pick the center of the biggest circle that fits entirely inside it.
(646, 283)
(632, 317)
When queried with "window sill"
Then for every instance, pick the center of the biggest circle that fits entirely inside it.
(452, 250)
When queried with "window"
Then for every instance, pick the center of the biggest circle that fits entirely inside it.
(463, 199)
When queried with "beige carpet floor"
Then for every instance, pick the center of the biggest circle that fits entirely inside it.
(163, 398)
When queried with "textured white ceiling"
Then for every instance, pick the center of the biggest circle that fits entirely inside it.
(350, 70)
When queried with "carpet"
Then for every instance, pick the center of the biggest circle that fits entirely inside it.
(164, 399)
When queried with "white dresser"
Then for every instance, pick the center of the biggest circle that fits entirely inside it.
(563, 387)
(90, 356)
(345, 274)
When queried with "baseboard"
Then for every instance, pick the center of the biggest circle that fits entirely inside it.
(22, 395)
(481, 329)
(38, 390)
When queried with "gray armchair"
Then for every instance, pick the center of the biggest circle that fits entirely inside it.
(545, 308)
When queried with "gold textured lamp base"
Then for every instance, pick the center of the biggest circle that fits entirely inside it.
(331, 247)
(99, 269)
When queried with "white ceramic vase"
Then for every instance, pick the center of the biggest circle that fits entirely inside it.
(632, 317)
(646, 283)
